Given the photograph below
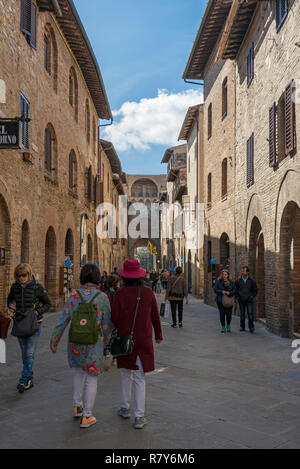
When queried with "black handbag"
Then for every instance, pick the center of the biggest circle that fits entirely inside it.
(124, 345)
(25, 322)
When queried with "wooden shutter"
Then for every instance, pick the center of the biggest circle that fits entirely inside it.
(47, 53)
(250, 161)
(250, 64)
(272, 136)
(26, 17)
(33, 40)
(71, 88)
(25, 125)
(289, 118)
(209, 121)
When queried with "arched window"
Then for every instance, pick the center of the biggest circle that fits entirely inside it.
(87, 121)
(209, 190)
(50, 54)
(72, 172)
(69, 245)
(94, 135)
(90, 250)
(224, 98)
(50, 150)
(224, 179)
(73, 92)
(89, 184)
(144, 188)
(209, 121)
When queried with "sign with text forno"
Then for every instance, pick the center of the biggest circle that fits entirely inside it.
(9, 134)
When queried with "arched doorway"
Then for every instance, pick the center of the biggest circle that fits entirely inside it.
(289, 270)
(256, 262)
(25, 243)
(50, 266)
(5, 231)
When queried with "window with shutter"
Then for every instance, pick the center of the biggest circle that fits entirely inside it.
(25, 112)
(272, 136)
(71, 90)
(250, 161)
(289, 111)
(209, 190)
(250, 65)
(47, 53)
(48, 150)
(89, 184)
(224, 179)
(281, 12)
(29, 21)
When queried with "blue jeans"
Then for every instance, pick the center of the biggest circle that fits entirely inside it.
(28, 348)
(249, 307)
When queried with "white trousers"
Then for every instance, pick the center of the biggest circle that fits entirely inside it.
(137, 378)
(85, 390)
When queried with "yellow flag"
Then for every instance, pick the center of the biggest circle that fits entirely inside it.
(150, 247)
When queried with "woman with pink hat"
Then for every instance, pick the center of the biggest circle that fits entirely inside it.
(135, 297)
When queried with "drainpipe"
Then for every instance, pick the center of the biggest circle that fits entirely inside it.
(57, 9)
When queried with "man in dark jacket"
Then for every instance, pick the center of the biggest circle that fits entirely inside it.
(247, 290)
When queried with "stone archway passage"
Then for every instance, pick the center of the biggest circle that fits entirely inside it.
(50, 266)
(256, 262)
(5, 233)
(289, 270)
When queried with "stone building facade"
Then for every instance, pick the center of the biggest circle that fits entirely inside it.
(145, 189)
(49, 187)
(255, 46)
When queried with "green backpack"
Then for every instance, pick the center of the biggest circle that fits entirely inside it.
(84, 329)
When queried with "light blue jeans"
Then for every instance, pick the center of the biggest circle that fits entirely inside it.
(28, 347)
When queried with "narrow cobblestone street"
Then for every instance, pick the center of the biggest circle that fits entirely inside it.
(208, 391)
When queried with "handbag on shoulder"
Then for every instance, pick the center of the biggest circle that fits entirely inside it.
(25, 322)
(227, 301)
(124, 345)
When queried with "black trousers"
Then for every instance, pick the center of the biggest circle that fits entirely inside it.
(174, 304)
(225, 314)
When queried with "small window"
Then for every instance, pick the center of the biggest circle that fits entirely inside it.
(224, 98)
(72, 172)
(250, 65)
(281, 12)
(209, 191)
(224, 179)
(25, 108)
(47, 53)
(48, 150)
(209, 117)
(87, 121)
(250, 161)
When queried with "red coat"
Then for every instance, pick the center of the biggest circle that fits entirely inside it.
(122, 315)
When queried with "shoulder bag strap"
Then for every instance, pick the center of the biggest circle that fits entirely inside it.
(136, 309)
(81, 297)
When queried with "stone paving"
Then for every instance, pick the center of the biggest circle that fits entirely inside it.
(209, 390)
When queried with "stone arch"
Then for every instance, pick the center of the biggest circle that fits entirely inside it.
(5, 251)
(256, 262)
(144, 188)
(51, 265)
(255, 209)
(289, 270)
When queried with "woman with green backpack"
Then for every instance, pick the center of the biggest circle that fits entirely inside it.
(88, 312)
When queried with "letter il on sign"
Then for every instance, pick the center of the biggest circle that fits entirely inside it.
(2, 92)
(2, 352)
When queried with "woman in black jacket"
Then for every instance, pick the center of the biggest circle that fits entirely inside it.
(224, 286)
(25, 294)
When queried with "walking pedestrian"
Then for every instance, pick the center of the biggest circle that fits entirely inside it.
(247, 290)
(225, 290)
(134, 296)
(24, 295)
(103, 281)
(154, 280)
(113, 284)
(87, 360)
(176, 292)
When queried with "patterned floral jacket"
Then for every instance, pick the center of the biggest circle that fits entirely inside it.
(87, 357)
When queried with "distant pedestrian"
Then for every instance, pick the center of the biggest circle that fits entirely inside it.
(87, 360)
(141, 360)
(176, 292)
(112, 285)
(103, 281)
(225, 290)
(26, 294)
(247, 290)
(154, 279)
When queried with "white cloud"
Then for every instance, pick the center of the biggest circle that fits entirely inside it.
(138, 125)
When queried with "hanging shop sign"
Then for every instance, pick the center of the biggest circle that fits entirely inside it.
(9, 134)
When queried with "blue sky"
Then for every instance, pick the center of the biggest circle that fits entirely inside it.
(142, 47)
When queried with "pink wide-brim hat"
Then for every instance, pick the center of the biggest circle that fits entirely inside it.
(132, 269)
